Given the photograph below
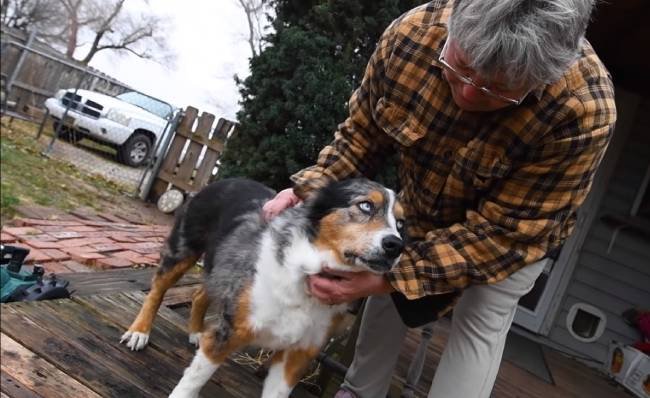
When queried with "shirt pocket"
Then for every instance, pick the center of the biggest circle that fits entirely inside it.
(479, 167)
(395, 121)
(421, 187)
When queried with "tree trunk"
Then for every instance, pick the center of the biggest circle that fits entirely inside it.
(94, 48)
(72, 37)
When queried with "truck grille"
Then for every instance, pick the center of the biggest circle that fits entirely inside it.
(74, 101)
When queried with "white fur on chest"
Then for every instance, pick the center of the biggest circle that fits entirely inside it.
(282, 313)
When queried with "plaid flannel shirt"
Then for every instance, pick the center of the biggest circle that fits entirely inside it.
(485, 193)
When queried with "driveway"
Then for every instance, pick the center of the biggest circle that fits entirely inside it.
(90, 159)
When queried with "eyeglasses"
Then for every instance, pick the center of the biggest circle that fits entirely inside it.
(468, 80)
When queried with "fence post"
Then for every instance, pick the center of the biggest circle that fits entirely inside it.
(150, 175)
(19, 65)
(65, 113)
(45, 118)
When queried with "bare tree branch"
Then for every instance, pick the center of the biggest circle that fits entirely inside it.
(27, 14)
(254, 10)
(132, 38)
(251, 27)
(67, 24)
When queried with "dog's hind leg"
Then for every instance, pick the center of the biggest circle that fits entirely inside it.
(137, 336)
(200, 302)
(216, 344)
(287, 367)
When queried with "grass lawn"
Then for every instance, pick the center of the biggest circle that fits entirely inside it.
(27, 177)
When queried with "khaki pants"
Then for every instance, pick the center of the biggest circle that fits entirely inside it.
(471, 358)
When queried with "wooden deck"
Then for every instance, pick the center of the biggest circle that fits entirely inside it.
(70, 348)
(571, 379)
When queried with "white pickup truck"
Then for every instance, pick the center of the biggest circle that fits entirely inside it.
(130, 122)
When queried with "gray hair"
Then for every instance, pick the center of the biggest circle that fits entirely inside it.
(534, 40)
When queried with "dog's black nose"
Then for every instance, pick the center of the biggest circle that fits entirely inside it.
(392, 246)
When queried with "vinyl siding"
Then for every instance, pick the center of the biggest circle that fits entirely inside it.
(615, 281)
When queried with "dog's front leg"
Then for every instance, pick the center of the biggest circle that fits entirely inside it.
(216, 344)
(286, 369)
(195, 376)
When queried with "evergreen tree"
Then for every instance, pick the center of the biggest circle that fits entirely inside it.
(300, 83)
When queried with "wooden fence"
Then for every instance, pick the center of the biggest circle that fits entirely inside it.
(193, 154)
(43, 71)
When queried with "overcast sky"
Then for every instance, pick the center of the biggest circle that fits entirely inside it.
(209, 40)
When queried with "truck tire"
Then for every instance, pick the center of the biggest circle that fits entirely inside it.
(136, 150)
(66, 134)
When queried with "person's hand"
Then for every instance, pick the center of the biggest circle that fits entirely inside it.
(283, 200)
(337, 287)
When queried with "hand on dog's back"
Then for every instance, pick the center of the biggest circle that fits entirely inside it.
(282, 201)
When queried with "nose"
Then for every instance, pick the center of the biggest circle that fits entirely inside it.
(392, 246)
(470, 92)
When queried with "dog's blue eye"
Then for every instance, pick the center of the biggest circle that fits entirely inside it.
(399, 224)
(365, 207)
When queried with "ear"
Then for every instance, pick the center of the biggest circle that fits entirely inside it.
(327, 199)
(322, 202)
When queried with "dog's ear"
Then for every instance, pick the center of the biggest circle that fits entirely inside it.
(325, 200)
(334, 195)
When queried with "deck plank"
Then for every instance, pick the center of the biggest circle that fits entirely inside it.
(37, 374)
(15, 389)
(99, 340)
(168, 334)
(107, 282)
(63, 352)
(77, 338)
(572, 379)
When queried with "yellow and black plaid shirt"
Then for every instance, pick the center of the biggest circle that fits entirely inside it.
(484, 193)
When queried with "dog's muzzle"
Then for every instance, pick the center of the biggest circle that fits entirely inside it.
(384, 260)
(393, 246)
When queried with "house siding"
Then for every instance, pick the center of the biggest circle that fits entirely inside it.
(616, 281)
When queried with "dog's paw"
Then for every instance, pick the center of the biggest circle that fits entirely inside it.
(194, 339)
(135, 340)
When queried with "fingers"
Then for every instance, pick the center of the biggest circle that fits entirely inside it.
(330, 291)
(340, 274)
(269, 210)
(283, 200)
(323, 289)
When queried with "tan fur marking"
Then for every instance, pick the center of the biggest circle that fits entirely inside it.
(160, 283)
(398, 209)
(200, 302)
(241, 335)
(277, 357)
(338, 236)
(329, 234)
(296, 362)
(377, 198)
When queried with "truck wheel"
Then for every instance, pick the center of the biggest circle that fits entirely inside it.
(136, 150)
(66, 134)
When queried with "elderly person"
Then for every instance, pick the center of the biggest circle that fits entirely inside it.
(499, 112)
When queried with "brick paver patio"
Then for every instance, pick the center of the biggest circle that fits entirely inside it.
(82, 241)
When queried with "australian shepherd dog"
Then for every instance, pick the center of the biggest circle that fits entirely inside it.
(255, 271)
